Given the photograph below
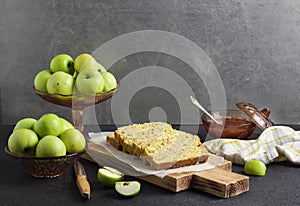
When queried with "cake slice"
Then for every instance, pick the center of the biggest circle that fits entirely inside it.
(136, 138)
(186, 149)
(159, 145)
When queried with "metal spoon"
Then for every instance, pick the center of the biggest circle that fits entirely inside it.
(197, 104)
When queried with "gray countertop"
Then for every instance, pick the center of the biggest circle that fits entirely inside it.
(280, 186)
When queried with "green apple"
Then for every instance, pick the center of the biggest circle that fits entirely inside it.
(60, 83)
(65, 124)
(255, 167)
(110, 81)
(40, 80)
(73, 140)
(101, 68)
(89, 81)
(85, 61)
(22, 141)
(129, 188)
(62, 62)
(26, 123)
(48, 124)
(109, 176)
(50, 146)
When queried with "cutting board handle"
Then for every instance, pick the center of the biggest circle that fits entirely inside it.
(220, 182)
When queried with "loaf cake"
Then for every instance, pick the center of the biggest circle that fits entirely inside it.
(159, 145)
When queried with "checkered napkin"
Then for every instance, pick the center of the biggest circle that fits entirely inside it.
(277, 143)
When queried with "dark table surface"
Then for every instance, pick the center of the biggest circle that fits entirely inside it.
(280, 186)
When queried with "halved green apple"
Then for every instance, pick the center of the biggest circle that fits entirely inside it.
(109, 176)
(128, 188)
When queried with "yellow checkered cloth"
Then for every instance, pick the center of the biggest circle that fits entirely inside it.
(277, 143)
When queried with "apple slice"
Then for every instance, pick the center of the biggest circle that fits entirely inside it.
(129, 188)
(109, 176)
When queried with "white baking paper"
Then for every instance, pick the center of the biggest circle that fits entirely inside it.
(133, 165)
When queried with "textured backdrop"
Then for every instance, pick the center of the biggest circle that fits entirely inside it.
(254, 45)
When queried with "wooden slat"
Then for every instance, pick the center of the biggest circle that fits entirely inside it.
(220, 182)
(179, 181)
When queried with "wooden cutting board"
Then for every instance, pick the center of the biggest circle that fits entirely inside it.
(220, 181)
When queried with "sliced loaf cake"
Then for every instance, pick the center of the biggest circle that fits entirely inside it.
(159, 145)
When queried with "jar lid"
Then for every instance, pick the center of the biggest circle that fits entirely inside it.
(260, 118)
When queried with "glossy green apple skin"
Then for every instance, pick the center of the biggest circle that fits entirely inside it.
(89, 81)
(73, 140)
(26, 123)
(128, 189)
(108, 177)
(40, 80)
(66, 124)
(22, 142)
(255, 167)
(48, 124)
(50, 146)
(110, 81)
(60, 83)
(85, 61)
(62, 62)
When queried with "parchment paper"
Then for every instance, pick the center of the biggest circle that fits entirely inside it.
(133, 165)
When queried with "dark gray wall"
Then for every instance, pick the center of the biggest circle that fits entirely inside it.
(255, 46)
